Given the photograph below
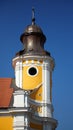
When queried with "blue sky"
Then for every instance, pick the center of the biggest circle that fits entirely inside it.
(55, 17)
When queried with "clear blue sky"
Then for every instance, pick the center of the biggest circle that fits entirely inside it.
(55, 17)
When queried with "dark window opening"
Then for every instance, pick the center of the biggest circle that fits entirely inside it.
(32, 71)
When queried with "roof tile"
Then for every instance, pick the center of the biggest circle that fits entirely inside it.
(5, 92)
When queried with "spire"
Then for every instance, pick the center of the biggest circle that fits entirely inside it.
(33, 16)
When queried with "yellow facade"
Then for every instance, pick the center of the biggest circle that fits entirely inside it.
(6, 123)
(29, 82)
(37, 95)
(33, 82)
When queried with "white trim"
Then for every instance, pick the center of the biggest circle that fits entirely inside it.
(30, 57)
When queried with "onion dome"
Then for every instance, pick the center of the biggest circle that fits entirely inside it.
(33, 30)
(33, 39)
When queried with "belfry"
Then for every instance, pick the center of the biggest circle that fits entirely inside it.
(31, 105)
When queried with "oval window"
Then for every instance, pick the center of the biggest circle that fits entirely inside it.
(32, 71)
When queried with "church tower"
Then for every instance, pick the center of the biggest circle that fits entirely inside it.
(32, 98)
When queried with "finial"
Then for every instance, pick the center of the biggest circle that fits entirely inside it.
(33, 16)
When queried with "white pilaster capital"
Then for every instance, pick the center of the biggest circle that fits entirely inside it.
(48, 64)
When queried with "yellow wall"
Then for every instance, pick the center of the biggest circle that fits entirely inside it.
(6, 123)
(37, 95)
(31, 82)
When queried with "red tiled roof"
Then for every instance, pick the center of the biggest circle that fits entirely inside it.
(5, 92)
